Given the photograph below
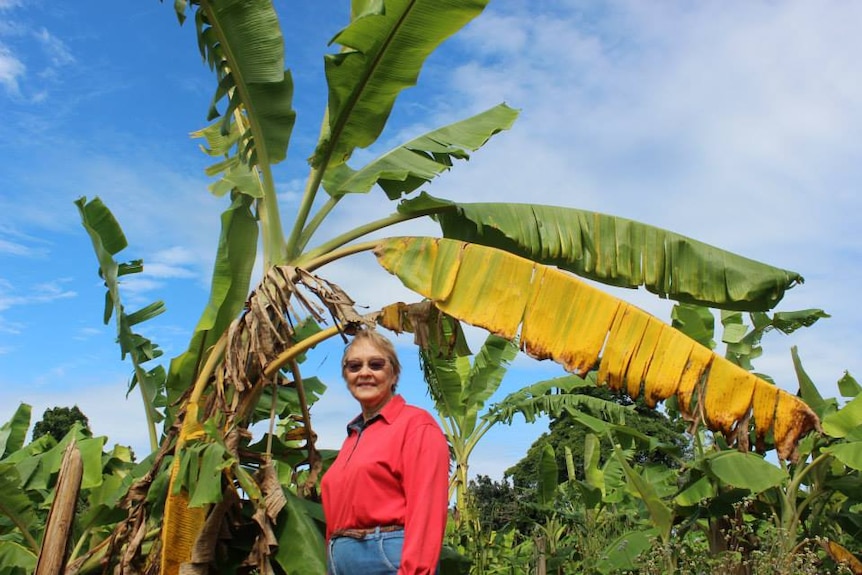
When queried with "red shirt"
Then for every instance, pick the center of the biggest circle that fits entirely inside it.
(394, 471)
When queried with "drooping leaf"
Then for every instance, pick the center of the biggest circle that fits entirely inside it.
(208, 487)
(789, 321)
(553, 397)
(557, 316)
(616, 251)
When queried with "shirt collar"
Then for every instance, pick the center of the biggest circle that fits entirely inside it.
(388, 414)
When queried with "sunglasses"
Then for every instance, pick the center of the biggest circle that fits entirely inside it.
(355, 365)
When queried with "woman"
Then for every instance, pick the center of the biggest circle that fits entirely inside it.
(385, 497)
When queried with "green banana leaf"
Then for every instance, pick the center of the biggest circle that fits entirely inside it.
(384, 48)
(660, 513)
(553, 397)
(243, 42)
(301, 547)
(844, 421)
(486, 375)
(808, 390)
(108, 239)
(622, 553)
(614, 251)
(13, 433)
(745, 471)
(16, 507)
(16, 559)
(403, 169)
(850, 454)
(848, 386)
(460, 389)
(229, 290)
(548, 474)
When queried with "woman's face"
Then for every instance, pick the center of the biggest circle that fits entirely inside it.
(369, 375)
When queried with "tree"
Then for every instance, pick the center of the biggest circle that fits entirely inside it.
(564, 430)
(58, 421)
(510, 269)
(495, 502)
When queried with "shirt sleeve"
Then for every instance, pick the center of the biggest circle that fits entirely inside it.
(426, 492)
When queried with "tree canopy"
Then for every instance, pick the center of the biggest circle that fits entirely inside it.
(57, 422)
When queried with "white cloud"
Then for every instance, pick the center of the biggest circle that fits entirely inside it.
(173, 262)
(13, 248)
(11, 70)
(746, 103)
(88, 332)
(56, 50)
(37, 294)
(9, 327)
(14, 242)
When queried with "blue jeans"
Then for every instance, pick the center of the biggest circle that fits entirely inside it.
(375, 554)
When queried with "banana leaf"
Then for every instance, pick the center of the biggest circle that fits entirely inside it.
(384, 48)
(614, 251)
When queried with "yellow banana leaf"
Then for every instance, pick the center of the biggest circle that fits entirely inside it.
(560, 317)
(181, 524)
(843, 556)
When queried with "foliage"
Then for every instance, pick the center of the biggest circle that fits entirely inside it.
(622, 509)
(510, 269)
(564, 430)
(496, 502)
(28, 477)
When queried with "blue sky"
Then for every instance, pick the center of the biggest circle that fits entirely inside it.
(737, 123)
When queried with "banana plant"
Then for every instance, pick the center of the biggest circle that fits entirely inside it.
(510, 269)
(810, 498)
(31, 489)
(461, 389)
